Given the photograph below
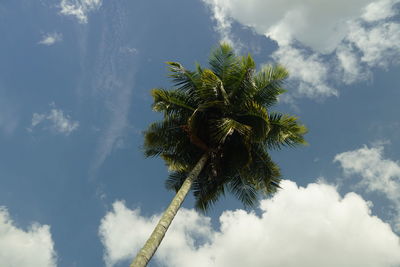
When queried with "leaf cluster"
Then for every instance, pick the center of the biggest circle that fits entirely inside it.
(222, 110)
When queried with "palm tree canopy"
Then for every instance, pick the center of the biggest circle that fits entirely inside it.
(223, 110)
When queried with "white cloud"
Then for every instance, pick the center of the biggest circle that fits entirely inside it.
(379, 45)
(309, 70)
(33, 247)
(122, 232)
(311, 226)
(379, 10)
(323, 29)
(378, 174)
(348, 67)
(55, 120)
(79, 8)
(62, 123)
(320, 25)
(224, 23)
(51, 38)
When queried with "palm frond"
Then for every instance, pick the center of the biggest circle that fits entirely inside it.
(224, 127)
(175, 180)
(171, 102)
(166, 136)
(241, 82)
(263, 170)
(183, 79)
(175, 163)
(212, 88)
(244, 190)
(222, 60)
(285, 131)
(269, 83)
(206, 193)
(255, 116)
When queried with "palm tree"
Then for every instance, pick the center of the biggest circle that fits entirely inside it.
(216, 133)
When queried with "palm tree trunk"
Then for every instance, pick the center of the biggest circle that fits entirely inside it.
(148, 250)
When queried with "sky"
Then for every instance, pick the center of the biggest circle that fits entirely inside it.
(75, 77)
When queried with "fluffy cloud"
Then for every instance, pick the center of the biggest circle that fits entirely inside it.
(323, 29)
(55, 120)
(311, 226)
(224, 22)
(79, 8)
(33, 247)
(379, 10)
(308, 69)
(51, 38)
(348, 67)
(320, 25)
(378, 174)
(379, 45)
(123, 232)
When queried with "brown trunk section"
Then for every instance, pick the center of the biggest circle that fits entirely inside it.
(148, 250)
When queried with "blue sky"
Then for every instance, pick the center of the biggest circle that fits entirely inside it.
(75, 77)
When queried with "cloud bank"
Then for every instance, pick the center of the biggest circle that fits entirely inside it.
(33, 247)
(377, 173)
(320, 42)
(299, 226)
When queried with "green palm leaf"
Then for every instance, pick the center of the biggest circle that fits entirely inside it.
(244, 190)
(171, 102)
(241, 81)
(222, 61)
(268, 83)
(212, 88)
(224, 127)
(285, 131)
(255, 116)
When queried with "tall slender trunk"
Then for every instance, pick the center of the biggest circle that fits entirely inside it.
(148, 250)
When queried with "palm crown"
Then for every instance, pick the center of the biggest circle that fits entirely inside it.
(223, 111)
(216, 133)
